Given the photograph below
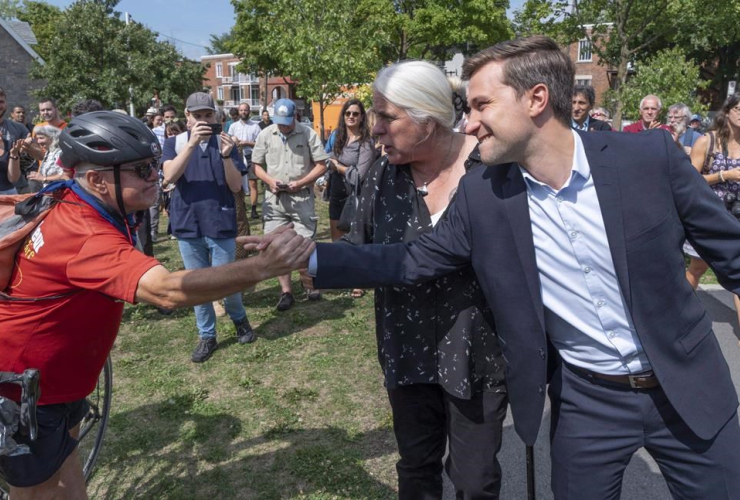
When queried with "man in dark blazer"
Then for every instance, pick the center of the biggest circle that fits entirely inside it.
(576, 240)
(583, 101)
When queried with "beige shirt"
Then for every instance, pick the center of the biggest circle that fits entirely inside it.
(290, 160)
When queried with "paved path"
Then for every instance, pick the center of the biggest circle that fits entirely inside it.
(642, 479)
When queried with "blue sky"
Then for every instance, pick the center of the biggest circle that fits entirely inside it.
(188, 24)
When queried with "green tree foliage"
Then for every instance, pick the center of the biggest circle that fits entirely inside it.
(429, 28)
(623, 32)
(9, 8)
(670, 75)
(95, 55)
(44, 20)
(219, 44)
(324, 46)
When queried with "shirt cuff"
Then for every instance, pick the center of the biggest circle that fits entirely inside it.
(313, 263)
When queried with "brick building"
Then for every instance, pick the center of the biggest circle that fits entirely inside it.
(232, 88)
(16, 59)
(588, 69)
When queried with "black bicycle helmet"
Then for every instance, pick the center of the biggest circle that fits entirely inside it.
(107, 138)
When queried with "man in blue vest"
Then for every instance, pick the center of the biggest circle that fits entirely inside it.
(206, 169)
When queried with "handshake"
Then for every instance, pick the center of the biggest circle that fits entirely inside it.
(280, 252)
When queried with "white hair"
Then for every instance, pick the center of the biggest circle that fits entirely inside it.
(420, 89)
(650, 96)
(52, 133)
(682, 108)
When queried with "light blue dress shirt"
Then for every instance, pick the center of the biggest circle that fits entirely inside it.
(585, 315)
(583, 127)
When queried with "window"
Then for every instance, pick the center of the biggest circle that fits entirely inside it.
(219, 70)
(583, 80)
(584, 51)
(255, 94)
(220, 94)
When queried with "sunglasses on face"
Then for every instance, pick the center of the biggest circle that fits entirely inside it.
(142, 169)
(353, 114)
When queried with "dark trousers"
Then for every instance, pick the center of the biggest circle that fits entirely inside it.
(596, 428)
(425, 418)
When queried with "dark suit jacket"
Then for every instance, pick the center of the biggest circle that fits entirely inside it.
(598, 125)
(651, 199)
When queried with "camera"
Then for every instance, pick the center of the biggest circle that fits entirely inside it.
(732, 204)
(215, 128)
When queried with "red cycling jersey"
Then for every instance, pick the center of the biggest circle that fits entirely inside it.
(77, 255)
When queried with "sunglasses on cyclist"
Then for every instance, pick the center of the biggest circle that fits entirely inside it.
(353, 114)
(142, 169)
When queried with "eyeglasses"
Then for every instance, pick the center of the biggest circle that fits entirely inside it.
(353, 114)
(142, 169)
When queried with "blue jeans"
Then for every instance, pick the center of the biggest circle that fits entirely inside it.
(198, 253)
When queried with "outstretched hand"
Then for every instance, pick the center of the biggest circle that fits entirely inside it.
(259, 243)
(286, 252)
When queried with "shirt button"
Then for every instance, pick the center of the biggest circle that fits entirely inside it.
(560, 200)
(542, 353)
(573, 234)
(612, 335)
(586, 269)
(600, 303)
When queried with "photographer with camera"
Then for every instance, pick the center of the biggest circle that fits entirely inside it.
(716, 155)
(206, 169)
(288, 157)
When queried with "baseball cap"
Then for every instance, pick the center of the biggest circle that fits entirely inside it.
(696, 118)
(284, 112)
(152, 111)
(199, 101)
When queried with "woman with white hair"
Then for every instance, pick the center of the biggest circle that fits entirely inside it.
(49, 169)
(443, 367)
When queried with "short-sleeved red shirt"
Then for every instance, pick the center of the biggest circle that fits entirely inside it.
(75, 253)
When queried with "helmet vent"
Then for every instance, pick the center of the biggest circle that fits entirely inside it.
(99, 146)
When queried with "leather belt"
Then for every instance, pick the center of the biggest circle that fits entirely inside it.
(644, 380)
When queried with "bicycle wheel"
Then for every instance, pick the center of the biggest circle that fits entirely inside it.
(92, 427)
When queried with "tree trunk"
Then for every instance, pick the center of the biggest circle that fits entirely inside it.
(264, 95)
(621, 80)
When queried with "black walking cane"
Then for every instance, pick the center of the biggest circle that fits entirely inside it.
(531, 495)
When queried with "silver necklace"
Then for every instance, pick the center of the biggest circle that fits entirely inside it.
(423, 190)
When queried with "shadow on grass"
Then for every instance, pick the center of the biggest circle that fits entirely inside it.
(177, 449)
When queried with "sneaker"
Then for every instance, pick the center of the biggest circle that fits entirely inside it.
(313, 295)
(244, 332)
(286, 301)
(204, 350)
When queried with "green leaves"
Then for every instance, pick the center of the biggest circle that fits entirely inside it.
(670, 75)
(91, 53)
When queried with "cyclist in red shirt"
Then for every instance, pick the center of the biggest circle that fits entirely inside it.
(63, 307)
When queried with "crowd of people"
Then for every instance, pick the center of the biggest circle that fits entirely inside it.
(512, 238)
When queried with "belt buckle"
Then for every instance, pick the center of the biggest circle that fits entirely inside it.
(636, 381)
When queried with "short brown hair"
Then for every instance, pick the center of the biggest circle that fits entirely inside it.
(528, 62)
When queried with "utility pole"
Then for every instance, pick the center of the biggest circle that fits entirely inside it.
(131, 110)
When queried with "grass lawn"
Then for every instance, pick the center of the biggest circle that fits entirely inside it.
(301, 413)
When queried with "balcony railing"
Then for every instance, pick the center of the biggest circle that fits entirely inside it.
(239, 78)
(252, 103)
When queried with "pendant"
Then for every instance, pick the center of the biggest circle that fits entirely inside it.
(423, 190)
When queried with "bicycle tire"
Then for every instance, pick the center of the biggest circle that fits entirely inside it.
(95, 422)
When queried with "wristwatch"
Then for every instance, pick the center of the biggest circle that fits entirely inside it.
(13, 157)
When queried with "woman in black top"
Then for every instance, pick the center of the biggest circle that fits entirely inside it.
(443, 366)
